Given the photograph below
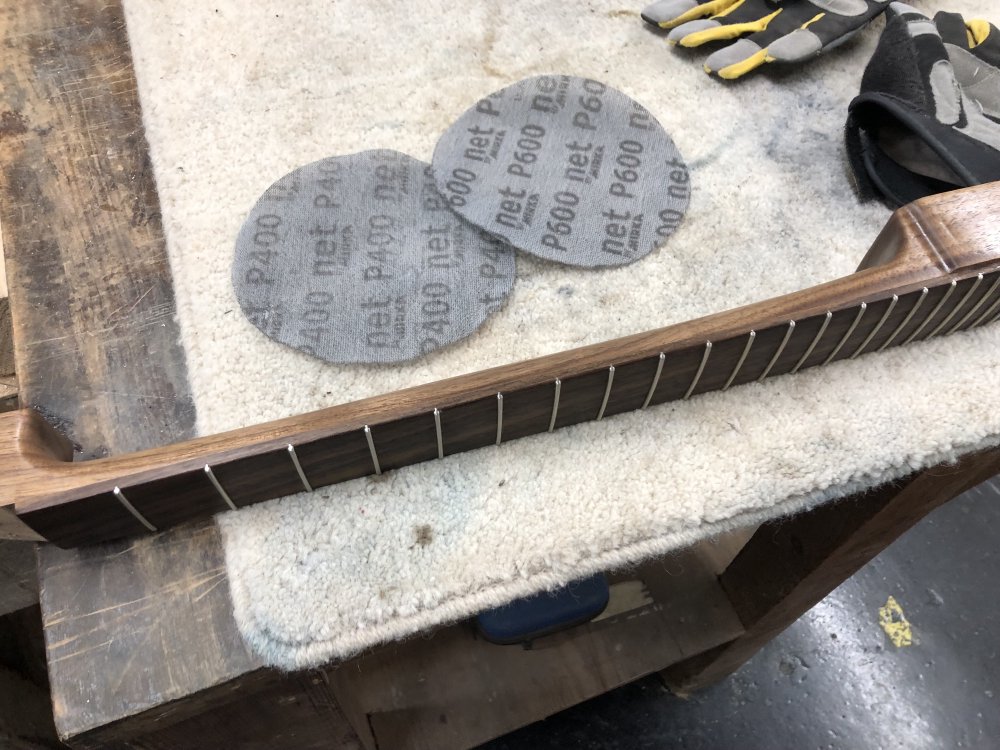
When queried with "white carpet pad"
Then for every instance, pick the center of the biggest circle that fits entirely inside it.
(237, 94)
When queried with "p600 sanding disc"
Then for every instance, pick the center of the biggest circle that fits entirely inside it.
(567, 169)
(359, 259)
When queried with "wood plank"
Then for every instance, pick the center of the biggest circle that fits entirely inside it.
(6, 336)
(90, 290)
(455, 690)
(789, 565)
(140, 634)
(131, 626)
(292, 711)
(3, 274)
(8, 381)
(6, 327)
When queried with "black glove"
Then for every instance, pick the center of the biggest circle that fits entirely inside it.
(776, 31)
(928, 116)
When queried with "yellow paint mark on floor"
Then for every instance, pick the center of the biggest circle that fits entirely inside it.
(895, 624)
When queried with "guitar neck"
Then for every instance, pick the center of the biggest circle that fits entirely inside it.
(934, 270)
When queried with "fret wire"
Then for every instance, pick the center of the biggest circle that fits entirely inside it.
(607, 393)
(371, 449)
(878, 326)
(499, 417)
(437, 430)
(906, 320)
(743, 358)
(656, 380)
(929, 318)
(298, 467)
(774, 359)
(822, 330)
(218, 487)
(701, 369)
(120, 496)
(840, 344)
(990, 308)
(965, 298)
(982, 300)
(555, 405)
(986, 315)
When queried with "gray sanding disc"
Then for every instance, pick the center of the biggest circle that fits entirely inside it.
(567, 169)
(359, 259)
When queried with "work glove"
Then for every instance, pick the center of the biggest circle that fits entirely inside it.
(928, 116)
(775, 31)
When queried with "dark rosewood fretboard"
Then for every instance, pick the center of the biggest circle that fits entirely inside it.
(934, 270)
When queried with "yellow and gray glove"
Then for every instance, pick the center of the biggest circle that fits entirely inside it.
(784, 31)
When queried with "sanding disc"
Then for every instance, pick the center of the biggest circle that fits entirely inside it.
(359, 259)
(567, 169)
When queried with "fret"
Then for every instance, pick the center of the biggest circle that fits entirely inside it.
(815, 341)
(951, 314)
(529, 411)
(847, 335)
(986, 316)
(73, 524)
(580, 399)
(555, 405)
(878, 326)
(437, 430)
(781, 348)
(982, 300)
(253, 479)
(218, 487)
(701, 369)
(371, 449)
(169, 500)
(298, 467)
(751, 337)
(656, 380)
(607, 393)
(499, 417)
(922, 308)
(345, 456)
(941, 303)
(906, 321)
(401, 442)
(120, 497)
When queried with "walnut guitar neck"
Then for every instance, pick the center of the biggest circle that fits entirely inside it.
(933, 270)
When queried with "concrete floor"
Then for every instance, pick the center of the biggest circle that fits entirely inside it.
(835, 679)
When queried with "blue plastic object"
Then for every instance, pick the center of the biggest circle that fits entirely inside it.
(545, 613)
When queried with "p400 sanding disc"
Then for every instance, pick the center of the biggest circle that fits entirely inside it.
(359, 259)
(567, 169)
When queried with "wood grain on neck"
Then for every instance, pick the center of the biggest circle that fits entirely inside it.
(949, 244)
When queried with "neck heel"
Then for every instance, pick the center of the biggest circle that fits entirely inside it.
(954, 231)
(28, 446)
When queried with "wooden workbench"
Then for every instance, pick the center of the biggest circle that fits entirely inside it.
(141, 643)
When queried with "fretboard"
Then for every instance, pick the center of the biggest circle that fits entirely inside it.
(897, 303)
